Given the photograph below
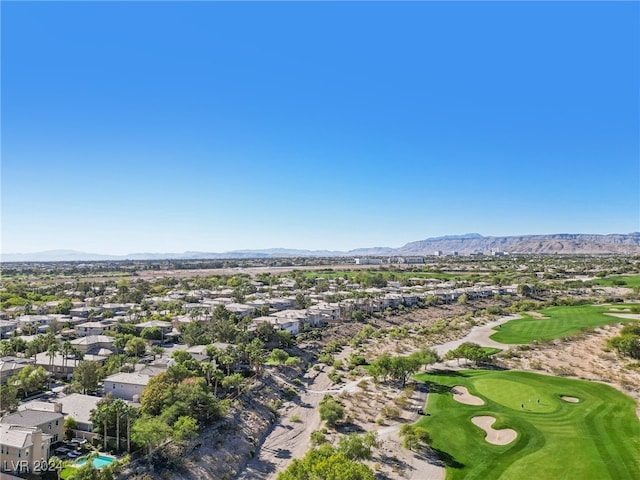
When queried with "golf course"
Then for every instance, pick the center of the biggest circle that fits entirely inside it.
(555, 322)
(564, 428)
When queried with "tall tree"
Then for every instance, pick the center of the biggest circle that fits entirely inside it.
(51, 353)
(8, 398)
(325, 463)
(86, 376)
(331, 411)
(31, 378)
(66, 349)
(358, 447)
(136, 347)
(150, 432)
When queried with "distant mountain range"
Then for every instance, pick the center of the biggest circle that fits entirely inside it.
(561, 243)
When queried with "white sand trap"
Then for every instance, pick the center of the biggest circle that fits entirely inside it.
(495, 437)
(628, 316)
(537, 315)
(570, 399)
(462, 395)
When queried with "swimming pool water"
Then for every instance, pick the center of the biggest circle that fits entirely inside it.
(98, 462)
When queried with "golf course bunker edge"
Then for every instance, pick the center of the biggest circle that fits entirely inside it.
(462, 395)
(495, 437)
(569, 399)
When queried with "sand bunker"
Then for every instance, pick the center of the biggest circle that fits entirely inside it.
(537, 315)
(462, 395)
(628, 316)
(495, 437)
(570, 399)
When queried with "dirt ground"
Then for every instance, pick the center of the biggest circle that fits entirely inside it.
(384, 408)
(290, 436)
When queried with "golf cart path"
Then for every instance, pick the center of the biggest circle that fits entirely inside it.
(288, 440)
(479, 335)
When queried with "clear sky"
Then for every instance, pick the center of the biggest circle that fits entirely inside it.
(212, 126)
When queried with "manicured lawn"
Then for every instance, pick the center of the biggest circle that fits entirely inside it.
(562, 321)
(597, 438)
(389, 275)
(619, 281)
(67, 472)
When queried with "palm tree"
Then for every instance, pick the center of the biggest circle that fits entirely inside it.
(39, 344)
(130, 413)
(77, 353)
(156, 350)
(32, 350)
(51, 352)
(119, 406)
(208, 368)
(47, 339)
(65, 349)
(217, 376)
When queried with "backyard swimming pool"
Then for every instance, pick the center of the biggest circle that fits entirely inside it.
(98, 462)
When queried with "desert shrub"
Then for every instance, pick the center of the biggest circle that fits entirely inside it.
(334, 376)
(290, 393)
(326, 358)
(292, 361)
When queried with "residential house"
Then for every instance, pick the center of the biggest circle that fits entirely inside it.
(291, 325)
(280, 303)
(51, 423)
(410, 299)
(95, 345)
(117, 308)
(63, 366)
(189, 307)
(10, 366)
(85, 312)
(128, 386)
(240, 309)
(79, 407)
(34, 323)
(165, 327)
(306, 318)
(7, 327)
(93, 328)
(22, 449)
(259, 304)
(330, 312)
(391, 300)
(199, 353)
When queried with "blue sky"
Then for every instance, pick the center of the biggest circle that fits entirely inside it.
(166, 127)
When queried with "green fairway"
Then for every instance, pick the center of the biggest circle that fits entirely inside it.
(390, 275)
(619, 281)
(597, 438)
(560, 322)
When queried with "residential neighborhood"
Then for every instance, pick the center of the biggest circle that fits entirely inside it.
(103, 359)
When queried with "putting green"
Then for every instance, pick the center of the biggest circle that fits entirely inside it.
(561, 321)
(514, 394)
(597, 438)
